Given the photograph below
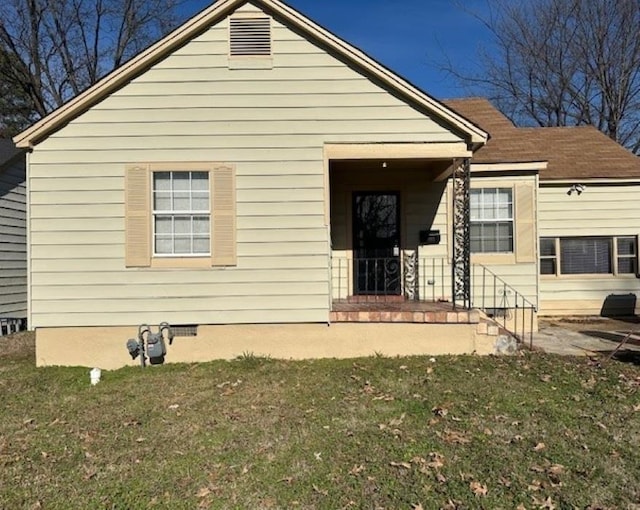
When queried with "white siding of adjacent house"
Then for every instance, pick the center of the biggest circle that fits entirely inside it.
(601, 210)
(271, 124)
(13, 240)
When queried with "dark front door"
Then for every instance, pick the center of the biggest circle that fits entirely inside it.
(376, 243)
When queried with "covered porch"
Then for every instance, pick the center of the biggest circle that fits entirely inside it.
(400, 235)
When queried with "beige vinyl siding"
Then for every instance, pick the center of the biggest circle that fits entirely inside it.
(520, 273)
(601, 210)
(270, 124)
(13, 240)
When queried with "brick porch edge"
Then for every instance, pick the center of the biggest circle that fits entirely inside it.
(466, 317)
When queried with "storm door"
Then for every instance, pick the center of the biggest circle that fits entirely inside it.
(376, 243)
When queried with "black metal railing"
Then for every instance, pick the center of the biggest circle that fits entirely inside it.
(419, 279)
(429, 279)
(503, 304)
(379, 276)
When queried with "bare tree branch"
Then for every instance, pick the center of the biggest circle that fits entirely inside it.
(58, 48)
(564, 63)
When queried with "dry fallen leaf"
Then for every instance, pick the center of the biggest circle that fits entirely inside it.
(547, 504)
(556, 469)
(357, 469)
(478, 489)
(452, 436)
(405, 465)
(203, 492)
(539, 446)
(317, 489)
(397, 421)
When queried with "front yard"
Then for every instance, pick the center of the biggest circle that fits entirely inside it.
(531, 431)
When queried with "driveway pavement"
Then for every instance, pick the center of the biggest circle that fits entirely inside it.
(587, 341)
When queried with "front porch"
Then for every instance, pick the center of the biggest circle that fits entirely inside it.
(400, 231)
(374, 309)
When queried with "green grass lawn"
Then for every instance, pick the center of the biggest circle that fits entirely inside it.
(531, 431)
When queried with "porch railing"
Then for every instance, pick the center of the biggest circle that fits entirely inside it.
(507, 307)
(429, 279)
(410, 276)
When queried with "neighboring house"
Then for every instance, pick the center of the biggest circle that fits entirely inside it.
(13, 238)
(588, 213)
(261, 184)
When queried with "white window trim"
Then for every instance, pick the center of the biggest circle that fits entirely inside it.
(180, 213)
(496, 221)
(614, 258)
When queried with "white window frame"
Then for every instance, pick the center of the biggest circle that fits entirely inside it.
(613, 262)
(181, 213)
(495, 221)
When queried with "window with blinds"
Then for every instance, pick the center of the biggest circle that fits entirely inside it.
(588, 255)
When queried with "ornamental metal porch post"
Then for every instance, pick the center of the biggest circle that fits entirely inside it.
(461, 260)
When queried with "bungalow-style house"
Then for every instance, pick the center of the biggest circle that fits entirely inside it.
(265, 187)
(13, 239)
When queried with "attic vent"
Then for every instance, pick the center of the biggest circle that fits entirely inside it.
(250, 37)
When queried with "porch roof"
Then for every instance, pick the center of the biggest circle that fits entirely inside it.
(572, 153)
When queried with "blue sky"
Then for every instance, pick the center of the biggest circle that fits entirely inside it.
(410, 37)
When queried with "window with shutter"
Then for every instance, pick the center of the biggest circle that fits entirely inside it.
(180, 215)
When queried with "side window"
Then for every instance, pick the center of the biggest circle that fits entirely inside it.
(181, 214)
(492, 220)
(588, 255)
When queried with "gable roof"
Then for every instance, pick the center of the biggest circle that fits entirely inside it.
(210, 16)
(572, 153)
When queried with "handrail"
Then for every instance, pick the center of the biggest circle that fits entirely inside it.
(520, 303)
(429, 281)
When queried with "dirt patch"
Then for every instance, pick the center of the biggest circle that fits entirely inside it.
(18, 346)
(592, 323)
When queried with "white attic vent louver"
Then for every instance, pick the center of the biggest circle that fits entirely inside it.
(250, 37)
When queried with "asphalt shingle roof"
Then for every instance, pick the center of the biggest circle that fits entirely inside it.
(578, 153)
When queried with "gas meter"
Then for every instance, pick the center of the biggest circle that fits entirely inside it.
(151, 345)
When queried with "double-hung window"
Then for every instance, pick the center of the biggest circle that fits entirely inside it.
(181, 213)
(491, 220)
(588, 255)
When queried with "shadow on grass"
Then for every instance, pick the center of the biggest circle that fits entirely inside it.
(624, 356)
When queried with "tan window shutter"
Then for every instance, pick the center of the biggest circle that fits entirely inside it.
(223, 216)
(525, 223)
(137, 217)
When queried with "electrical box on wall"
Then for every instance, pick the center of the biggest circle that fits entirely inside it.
(429, 237)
